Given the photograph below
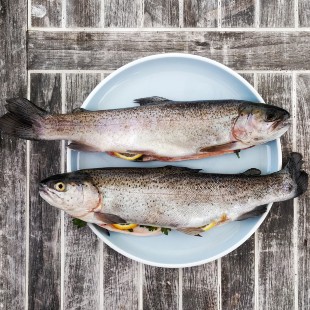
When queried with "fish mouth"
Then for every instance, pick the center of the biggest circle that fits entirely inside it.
(43, 188)
(281, 124)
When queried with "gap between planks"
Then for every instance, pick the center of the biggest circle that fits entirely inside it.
(27, 206)
(111, 71)
(62, 213)
(295, 201)
(256, 255)
(87, 29)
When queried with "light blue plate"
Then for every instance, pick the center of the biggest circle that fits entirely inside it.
(178, 77)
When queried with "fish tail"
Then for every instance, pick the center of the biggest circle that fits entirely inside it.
(23, 120)
(300, 177)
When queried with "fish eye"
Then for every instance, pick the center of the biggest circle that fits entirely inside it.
(60, 187)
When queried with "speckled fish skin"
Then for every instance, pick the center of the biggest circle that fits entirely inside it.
(171, 196)
(163, 129)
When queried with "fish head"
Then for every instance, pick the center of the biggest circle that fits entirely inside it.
(260, 123)
(70, 192)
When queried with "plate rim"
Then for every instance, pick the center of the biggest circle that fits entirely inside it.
(94, 228)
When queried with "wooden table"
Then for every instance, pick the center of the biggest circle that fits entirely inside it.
(55, 58)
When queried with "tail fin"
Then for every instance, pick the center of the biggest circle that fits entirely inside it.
(23, 120)
(293, 167)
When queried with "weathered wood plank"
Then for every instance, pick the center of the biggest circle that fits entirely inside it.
(82, 264)
(161, 13)
(200, 13)
(46, 13)
(44, 226)
(160, 288)
(238, 268)
(200, 285)
(13, 82)
(120, 281)
(303, 146)
(304, 13)
(275, 236)
(83, 13)
(122, 13)
(110, 50)
(239, 13)
(277, 13)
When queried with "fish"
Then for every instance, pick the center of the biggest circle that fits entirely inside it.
(157, 129)
(178, 198)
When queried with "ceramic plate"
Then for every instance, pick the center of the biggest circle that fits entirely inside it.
(178, 77)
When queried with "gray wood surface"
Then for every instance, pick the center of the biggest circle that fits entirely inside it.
(46, 13)
(120, 281)
(304, 13)
(123, 13)
(83, 13)
(75, 270)
(275, 236)
(277, 13)
(303, 145)
(239, 13)
(160, 288)
(81, 246)
(110, 50)
(161, 13)
(44, 220)
(200, 13)
(13, 82)
(200, 287)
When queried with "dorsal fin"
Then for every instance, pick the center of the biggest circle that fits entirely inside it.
(78, 110)
(152, 100)
(252, 171)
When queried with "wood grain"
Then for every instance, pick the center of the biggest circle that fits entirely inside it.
(160, 288)
(46, 13)
(161, 13)
(82, 249)
(303, 146)
(110, 50)
(238, 267)
(304, 13)
(277, 13)
(83, 13)
(200, 287)
(120, 281)
(275, 236)
(238, 278)
(239, 13)
(122, 13)
(44, 222)
(200, 13)
(13, 82)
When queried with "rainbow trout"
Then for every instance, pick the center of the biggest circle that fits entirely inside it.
(157, 129)
(171, 197)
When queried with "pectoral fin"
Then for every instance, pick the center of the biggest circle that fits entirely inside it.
(109, 218)
(221, 147)
(253, 213)
(192, 231)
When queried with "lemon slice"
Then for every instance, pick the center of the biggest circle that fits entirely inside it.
(127, 156)
(125, 226)
(209, 226)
